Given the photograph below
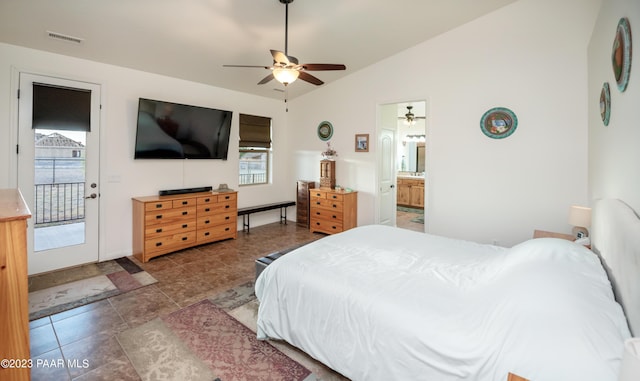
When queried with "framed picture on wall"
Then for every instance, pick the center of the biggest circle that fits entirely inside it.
(362, 142)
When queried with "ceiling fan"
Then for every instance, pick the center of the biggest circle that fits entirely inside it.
(285, 68)
(410, 118)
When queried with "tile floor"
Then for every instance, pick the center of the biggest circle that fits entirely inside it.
(89, 332)
(186, 277)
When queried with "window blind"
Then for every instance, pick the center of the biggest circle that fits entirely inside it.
(61, 108)
(255, 131)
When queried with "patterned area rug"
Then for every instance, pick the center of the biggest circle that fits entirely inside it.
(203, 342)
(87, 284)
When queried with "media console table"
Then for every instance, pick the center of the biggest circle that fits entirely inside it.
(164, 224)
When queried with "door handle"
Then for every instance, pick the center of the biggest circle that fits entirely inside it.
(92, 195)
(392, 186)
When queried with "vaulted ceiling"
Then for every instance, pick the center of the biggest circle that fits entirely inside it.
(192, 39)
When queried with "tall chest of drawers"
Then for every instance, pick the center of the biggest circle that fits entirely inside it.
(332, 211)
(164, 224)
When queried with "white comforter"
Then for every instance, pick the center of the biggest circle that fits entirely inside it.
(380, 303)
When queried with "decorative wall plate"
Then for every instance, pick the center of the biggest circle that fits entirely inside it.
(498, 123)
(325, 131)
(605, 103)
(621, 54)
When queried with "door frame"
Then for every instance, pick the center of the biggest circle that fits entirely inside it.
(428, 145)
(14, 135)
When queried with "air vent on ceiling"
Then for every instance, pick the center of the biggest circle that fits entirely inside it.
(64, 37)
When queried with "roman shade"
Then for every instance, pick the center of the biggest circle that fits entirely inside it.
(255, 131)
(61, 108)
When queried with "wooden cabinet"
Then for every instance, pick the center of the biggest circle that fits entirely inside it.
(332, 211)
(302, 202)
(14, 286)
(410, 192)
(164, 224)
(327, 174)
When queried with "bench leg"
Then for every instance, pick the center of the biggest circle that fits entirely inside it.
(245, 223)
(283, 217)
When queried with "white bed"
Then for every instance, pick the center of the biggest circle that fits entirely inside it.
(380, 303)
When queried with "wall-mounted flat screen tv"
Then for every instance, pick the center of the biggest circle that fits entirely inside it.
(168, 130)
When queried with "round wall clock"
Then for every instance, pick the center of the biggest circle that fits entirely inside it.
(325, 131)
(498, 123)
(605, 103)
(621, 54)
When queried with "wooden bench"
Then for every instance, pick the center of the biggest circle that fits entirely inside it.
(246, 212)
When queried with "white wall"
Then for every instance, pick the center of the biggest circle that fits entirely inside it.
(121, 176)
(530, 57)
(614, 154)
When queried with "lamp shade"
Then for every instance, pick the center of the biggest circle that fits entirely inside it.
(580, 216)
(630, 367)
(285, 76)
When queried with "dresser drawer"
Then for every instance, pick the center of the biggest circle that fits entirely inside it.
(225, 206)
(314, 193)
(169, 216)
(216, 233)
(184, 203)
(227, 197)
(168, 229)
(215, 219)
(169, 243)
(158, 205)
(326, 226)
(325, 214)
(327, 204)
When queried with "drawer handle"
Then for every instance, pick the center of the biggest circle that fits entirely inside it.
(158, 244)
(206, 234)
(159, 216)
(317, 202)
(335, 216)
(185, 202)
(207, 210)
(159, 230)
(185, 238)
(334, 196)
(333, 227)
(185, 213)
(227, 197)
(184, 226)
(227, 206)
(207, 199)
(227, 217)
(334, 205)
(317, 223)
(318, 213)
(226, 229)
(158, 206)
(207, 221)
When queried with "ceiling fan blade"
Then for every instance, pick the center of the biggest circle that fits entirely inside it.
(280, 57)
(266, 79)
(264, 67)
(319, 67)
(309, 78)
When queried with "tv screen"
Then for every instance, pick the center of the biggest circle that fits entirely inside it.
(168, 130)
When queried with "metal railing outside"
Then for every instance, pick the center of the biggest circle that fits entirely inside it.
(59, 191)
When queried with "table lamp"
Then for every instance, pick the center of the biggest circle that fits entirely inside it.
(580, 218)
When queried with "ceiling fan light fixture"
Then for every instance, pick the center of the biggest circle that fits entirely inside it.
(285, 75)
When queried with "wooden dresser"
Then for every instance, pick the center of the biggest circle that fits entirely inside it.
(164, 224)
(332, 211)
(14, 287)
(302, 202)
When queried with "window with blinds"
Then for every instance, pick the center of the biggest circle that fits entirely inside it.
(255, 149)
